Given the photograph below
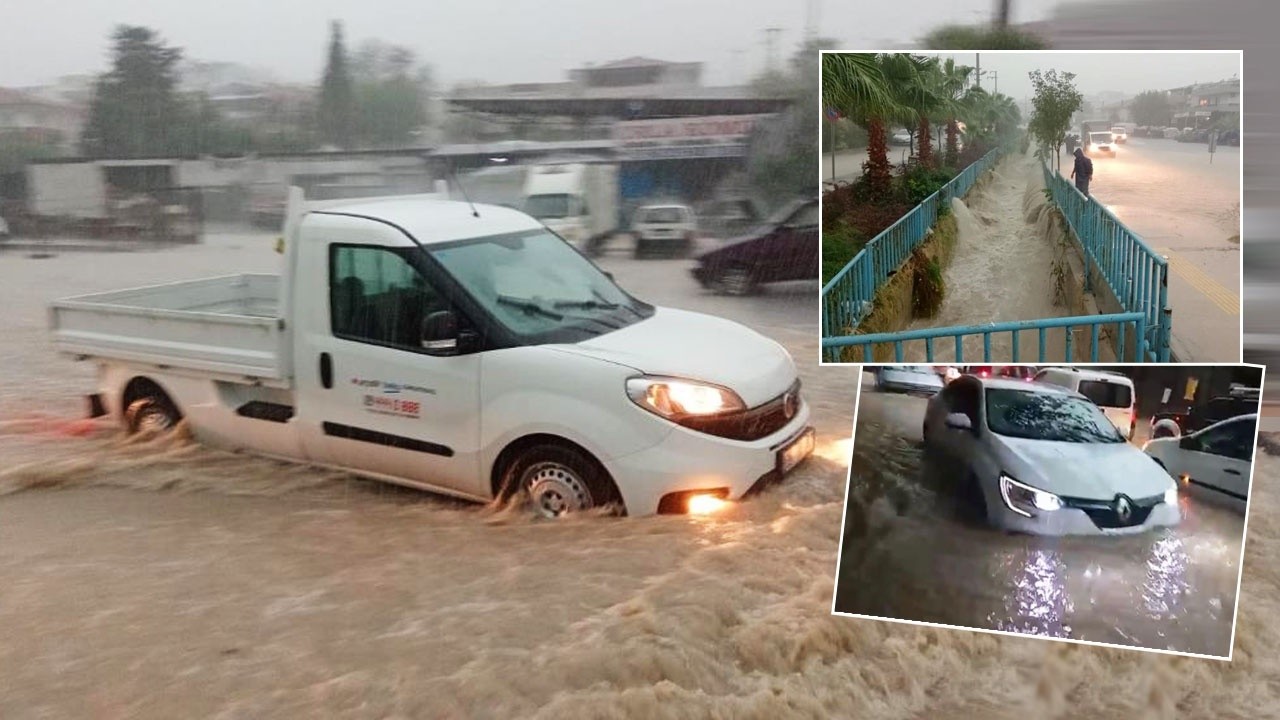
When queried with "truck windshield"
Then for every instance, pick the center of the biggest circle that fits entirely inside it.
(548, 207)
(539, 287)
(1100, 138)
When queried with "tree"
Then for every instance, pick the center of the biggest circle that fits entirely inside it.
(954, 80)
(135, 109)
(1055, 100)
(1151, 108)
(862, 87)
(390, 93)
(337, 112)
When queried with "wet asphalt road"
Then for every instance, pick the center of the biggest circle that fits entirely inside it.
(908, 555)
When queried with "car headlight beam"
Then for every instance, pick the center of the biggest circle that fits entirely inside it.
(1026, 500)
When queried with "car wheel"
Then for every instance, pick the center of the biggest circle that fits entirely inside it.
(151, 415)
(736, 280)
(973, 502)
(559, 480)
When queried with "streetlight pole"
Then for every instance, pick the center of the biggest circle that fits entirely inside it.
(1002, 13)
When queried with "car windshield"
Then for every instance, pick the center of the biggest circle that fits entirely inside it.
(1106, 394)
(1100, 137)
(1047, 416)
(539, 287)
(548, 207)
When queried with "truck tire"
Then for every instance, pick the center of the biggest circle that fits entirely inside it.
(151, 414)
(559, 479)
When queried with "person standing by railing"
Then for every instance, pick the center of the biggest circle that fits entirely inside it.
(1082, 172)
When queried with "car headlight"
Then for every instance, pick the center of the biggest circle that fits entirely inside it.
(676, 399)
(1026, 500)
(1171, 495)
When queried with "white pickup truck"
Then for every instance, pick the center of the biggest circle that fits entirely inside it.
(463, 350)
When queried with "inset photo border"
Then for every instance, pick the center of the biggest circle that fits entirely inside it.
(1101, 505)
(1031, 206)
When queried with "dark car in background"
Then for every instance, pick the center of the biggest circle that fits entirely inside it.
(784, 248)
(1240, 400)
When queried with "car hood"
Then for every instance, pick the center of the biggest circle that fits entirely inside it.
(1096, 471)
(728, 245)
(698, 347)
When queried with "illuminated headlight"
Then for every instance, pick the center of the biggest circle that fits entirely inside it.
(1026, 500)
(1171, 495)
(676, 399)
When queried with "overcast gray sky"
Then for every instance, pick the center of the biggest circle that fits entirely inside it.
(493, 40)
(1129, 73)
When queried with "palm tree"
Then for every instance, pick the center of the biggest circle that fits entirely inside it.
(856, 85)
(955, 78)
(911, 83)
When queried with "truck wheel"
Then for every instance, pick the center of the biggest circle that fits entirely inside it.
(736, 280)
(560, 480)
(151, 414)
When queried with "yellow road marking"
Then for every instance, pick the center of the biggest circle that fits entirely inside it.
(1225, 299)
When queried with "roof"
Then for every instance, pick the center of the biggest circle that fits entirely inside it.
(1094, 374)
(435, 221)
(1000, 383)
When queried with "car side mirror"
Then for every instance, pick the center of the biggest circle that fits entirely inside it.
(440, 332)
(959, 421)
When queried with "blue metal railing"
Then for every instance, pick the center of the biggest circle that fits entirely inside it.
(1127, 325)
(846, 299)
(1135, 274)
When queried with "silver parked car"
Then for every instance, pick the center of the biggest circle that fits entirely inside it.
(1043, 459)
(914, 379)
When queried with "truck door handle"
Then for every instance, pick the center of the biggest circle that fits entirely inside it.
(1230, 471)
(326, 370)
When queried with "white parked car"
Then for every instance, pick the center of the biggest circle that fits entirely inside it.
(1043, 459)
(667, 227)
(1111, 391)
(1217, 459)
(467, 351)
(912, 379)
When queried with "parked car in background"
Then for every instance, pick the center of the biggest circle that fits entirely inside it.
(1230, 138)
(1120, 134)
(1111, 391)
(901, 137)
(1042, 459)
(1171, 133)
(1217, 459)
(1015, 372)
(911, 379)
(784, 248)
(1240, 400)
(664, 227)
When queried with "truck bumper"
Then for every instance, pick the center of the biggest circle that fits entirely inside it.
(688, 461)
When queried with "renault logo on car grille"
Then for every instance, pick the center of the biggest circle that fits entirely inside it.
(790, 402)
(1124, 509)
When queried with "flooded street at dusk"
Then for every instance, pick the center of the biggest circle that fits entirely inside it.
(1171, 589)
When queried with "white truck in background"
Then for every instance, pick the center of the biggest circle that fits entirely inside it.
(458, 348)
(578, 201)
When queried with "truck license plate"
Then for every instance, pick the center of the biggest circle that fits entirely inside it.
(796, 451)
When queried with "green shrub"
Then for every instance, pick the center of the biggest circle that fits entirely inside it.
(927, 288)
(965, 37)
(840, 242)
(920, 182)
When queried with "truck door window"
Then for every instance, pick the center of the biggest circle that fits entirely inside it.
(376, 296)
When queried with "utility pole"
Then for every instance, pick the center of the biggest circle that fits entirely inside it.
(812, 10)
(978, 72)
(995, 76)
(1002, 13)
(771, 47)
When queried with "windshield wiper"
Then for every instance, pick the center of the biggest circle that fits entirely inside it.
(586, 304)
(529, 306)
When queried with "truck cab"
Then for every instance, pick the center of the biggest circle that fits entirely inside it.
(461, 349)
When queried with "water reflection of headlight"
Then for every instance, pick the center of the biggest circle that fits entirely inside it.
(1038, 603)
(1166, 577)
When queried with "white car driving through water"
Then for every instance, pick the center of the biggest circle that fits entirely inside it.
(465, 350)
(1217, 460)
(1042, 459)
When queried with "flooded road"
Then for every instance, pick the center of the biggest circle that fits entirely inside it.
(1186, 208)
(1171, 589)
(162, 579)
(1002, 267)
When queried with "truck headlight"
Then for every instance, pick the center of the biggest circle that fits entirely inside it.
(675, 398)
(1024, 499)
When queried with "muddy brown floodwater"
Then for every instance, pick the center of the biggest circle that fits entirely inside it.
(1170, 589)
(160, 579)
